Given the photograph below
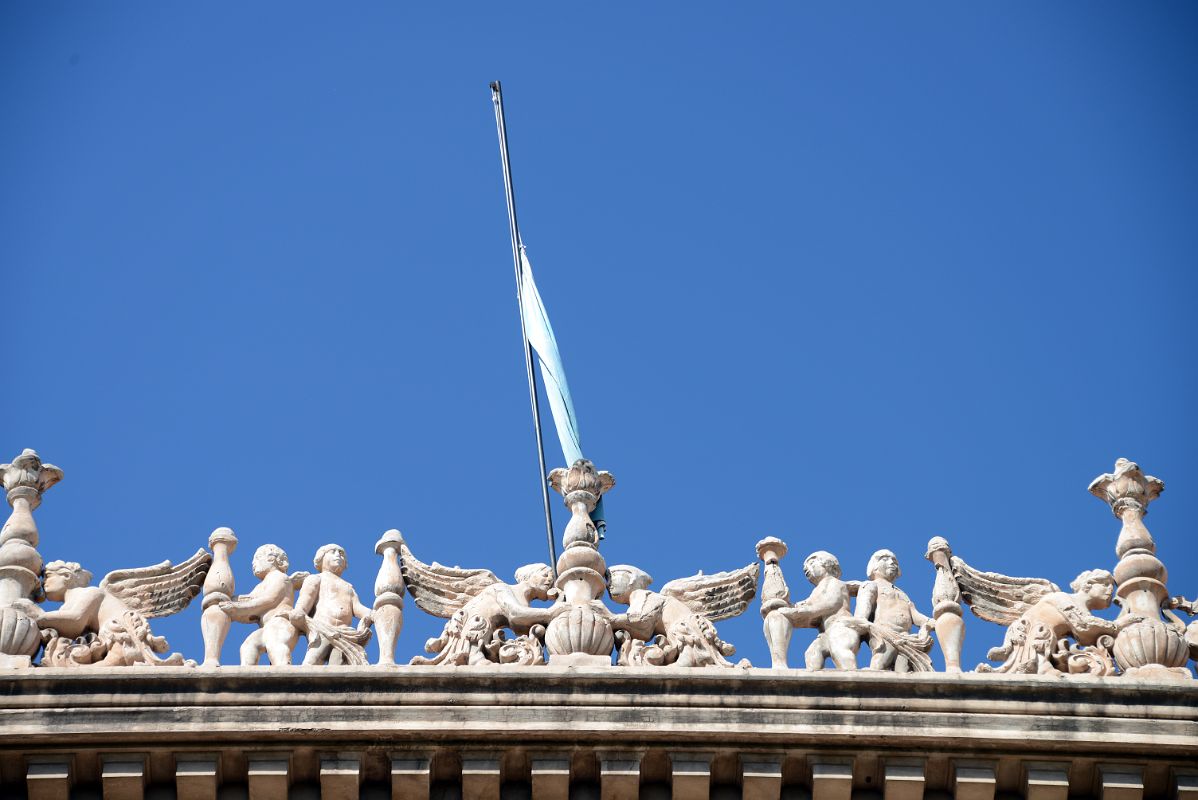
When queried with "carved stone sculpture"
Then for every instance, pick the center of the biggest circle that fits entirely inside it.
(108, 624)
(826, 609)
(674, 627)
(582, 634)
(388, 596)
(946, 604)
(218, 588)
(1150, 647)
(479, 606)
(25, 480)
(269, 606)
(890, 615)
(326, 609)
(1042, 619)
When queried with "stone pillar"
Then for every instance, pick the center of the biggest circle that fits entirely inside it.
(1151, 647)
(620, 776)
(761, 778)
(218, 588)
(480, 776)
(410, 777)
(975, 782)
(48, 778)
(388, 596)
(123, 776)
(268, 776)
(1121, 782)
(340, 776)
(690, 776)
(775, 594)
(946, 604)
(26, 479)
(582, 636)
(831, 781)
(1047, 782)
(197, 776)
(903, 781)
(551, 777)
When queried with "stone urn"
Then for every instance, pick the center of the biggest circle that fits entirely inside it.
(25, 480)
(1150, 647)
(582, 635)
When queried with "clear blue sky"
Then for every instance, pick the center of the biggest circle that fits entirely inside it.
(852, 276)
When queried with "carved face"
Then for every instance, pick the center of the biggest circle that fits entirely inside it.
(1098, 594)
(333, 560)
(819, 565)
(883, 564)
(541, 581)
(624, 580)
(61, 576)
(266, 558)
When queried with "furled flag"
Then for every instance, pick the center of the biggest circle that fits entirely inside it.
(544, 343)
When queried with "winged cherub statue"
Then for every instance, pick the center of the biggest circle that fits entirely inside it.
(109, 624)
(1041, 620)
(674, 627)
(479, 606)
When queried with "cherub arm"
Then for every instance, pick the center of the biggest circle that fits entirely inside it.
(642, 619)
(309, 592)
(77, 614)
(829, 597)
(264, 597)
(362, 611)
(867, 598)
(919, 618)
(520, 615)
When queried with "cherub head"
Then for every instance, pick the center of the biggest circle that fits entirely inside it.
(819, 565)
(883, 563)
(64, 575)
(1096, 585)
(330, 558)
(538, 577)
(269, 557)
(624, 580)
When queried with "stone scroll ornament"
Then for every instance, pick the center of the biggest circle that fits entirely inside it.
(674, 627)
(479, 607)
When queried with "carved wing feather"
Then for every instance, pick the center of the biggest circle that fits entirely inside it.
(996, 597)
(162, 589)
(441, 590)
(718, 596)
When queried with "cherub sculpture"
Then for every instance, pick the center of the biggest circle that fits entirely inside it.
(826, 609)
(1041, 620)
(109, 624)
(674, 627)
(479, 606)
(326, 609)
(268, 605)
(890, 614)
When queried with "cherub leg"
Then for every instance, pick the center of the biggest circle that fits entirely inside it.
(778, 631)
(280, 637)
(883, 657)
(251, 648)
(817, 653)
(842, 646)
(318, 651)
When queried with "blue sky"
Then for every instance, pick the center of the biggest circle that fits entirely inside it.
(851, 276)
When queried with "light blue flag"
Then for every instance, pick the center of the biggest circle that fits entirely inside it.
(544, 344)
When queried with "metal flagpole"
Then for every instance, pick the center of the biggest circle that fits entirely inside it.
(501, 126)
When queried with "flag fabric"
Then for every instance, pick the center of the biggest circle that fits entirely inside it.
(540, 335)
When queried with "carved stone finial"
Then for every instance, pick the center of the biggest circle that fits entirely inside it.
(388, 596)
(946, 604)
(583, 633)
(25, 480)
(774, 591)
(218, 589)
(1149, 646)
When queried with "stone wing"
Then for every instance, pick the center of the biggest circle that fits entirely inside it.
(160, 590)
(441, 590)
(718, 596)
(996, 597)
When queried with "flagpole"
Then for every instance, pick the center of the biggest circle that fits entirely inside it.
(501, 126)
